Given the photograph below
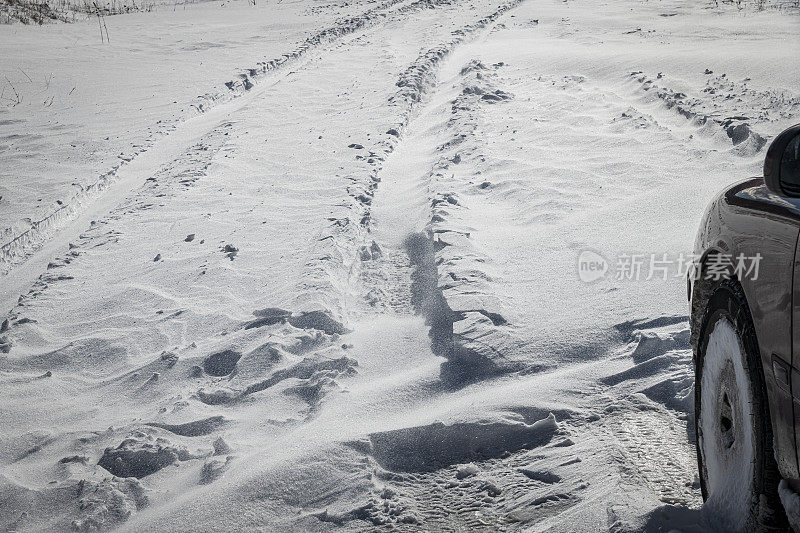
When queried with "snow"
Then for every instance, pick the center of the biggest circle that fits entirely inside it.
(790, 501)
(314, 263)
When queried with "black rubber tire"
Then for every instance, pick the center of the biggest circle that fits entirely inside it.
(728, 301)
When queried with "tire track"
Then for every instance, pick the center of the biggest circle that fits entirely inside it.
(415, 255)
(17, 247)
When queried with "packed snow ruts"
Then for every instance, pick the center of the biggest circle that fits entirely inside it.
(17, 244)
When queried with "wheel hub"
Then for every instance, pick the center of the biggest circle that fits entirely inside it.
(727, 403)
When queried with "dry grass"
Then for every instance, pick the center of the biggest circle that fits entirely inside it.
(44, 11)
(758, 5)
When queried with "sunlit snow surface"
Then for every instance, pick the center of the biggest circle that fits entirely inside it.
(313, 265)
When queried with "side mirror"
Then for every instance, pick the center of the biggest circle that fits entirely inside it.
(782, 164)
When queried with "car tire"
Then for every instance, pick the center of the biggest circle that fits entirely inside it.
(738, 473)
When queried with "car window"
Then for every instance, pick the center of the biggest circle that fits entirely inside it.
(790, 163)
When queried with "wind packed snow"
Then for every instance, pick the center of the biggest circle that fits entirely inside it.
(312, 265)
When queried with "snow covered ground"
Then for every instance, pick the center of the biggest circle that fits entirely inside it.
(313, 265)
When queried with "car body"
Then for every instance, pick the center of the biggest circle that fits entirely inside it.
(755, 222)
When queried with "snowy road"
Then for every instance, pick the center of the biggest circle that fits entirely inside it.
(345, 295)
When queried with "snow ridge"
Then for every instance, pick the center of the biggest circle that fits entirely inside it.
(467, 327)
(726, 106)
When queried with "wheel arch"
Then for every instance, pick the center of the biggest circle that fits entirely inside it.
(703, 287)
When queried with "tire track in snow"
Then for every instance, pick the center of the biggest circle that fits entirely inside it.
(28, 252)
(416, 253)
(16, 247)
(652, 399)
(627, 446)
(469, 332)
(247, 79)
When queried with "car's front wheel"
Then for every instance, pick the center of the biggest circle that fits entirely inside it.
(738, 473)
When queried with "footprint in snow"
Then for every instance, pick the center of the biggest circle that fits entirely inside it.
(230, 250)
